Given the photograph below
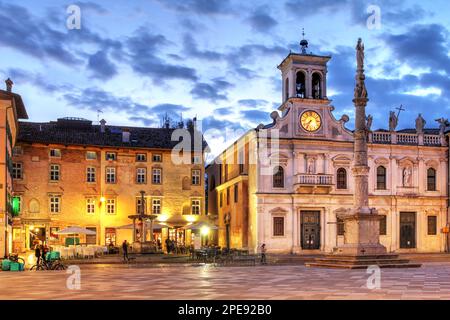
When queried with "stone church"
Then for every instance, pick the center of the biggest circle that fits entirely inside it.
(285, 183)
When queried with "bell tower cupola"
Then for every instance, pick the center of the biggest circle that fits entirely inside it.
(304, 74)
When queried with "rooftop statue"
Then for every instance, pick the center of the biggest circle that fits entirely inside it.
(393, 121)
(420, 124)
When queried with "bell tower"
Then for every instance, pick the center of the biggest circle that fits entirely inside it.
(304, 74)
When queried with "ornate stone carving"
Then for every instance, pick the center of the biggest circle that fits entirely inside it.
(407, 177)
(393, 121)
(420, 124)
(443, 124)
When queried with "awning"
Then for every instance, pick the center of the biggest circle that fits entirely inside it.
(76, 230)
(200, 225)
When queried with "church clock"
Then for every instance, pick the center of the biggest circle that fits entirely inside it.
(311, 121)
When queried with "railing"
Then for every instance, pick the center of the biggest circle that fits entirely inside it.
(406, 138)
(431, 140)
(381, 137)
(315, 179)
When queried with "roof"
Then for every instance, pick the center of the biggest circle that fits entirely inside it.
(20, 107)
(73, 131)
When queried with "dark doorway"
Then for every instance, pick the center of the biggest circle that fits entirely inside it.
(407, 230)
(310, 230)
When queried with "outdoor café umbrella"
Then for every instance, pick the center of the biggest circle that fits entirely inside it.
(130, 226)
(201, 225)
(76, 230)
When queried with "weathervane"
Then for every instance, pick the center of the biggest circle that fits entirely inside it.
(304, 42)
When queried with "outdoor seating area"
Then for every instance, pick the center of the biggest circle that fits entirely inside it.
(80, 251)
(224, 256)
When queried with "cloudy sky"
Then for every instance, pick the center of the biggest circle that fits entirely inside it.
(217, 59)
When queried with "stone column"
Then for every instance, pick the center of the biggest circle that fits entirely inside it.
(309, 84)
(361, 223)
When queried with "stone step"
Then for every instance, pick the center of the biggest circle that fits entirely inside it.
(361, 262)
(365, 257)
(354, 266)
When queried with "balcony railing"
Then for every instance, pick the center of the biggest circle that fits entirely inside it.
(315, 179)
(430, 140)
(412, 139)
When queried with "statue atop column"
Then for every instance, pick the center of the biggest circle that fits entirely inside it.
(420, 124)
(360, 88)
(393, 121)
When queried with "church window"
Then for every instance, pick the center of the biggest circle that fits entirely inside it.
(381, 178)
(431, 179)
(278, 177)
(316, 86)
(342, 179)
(300, 87)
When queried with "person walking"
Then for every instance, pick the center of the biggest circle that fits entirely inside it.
(263, 254)
(37, 254)
(125, 250)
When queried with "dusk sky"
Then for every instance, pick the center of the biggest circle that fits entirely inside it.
(217, 59)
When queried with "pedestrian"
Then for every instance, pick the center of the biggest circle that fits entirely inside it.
(37, 253)
(167, 245)
(125, 250)
(263, 254)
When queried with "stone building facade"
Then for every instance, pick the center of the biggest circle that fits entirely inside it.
(71, 172)
(290, 193)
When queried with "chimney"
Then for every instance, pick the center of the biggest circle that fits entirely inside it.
(9, 84)
(126, 136)
(102, 125)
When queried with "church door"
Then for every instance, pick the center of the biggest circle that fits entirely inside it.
(407, 230)
(310, 229)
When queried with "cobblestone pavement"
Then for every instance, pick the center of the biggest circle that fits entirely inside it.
(432, 281)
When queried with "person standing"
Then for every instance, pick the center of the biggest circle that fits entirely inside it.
(37, 253)
(125, 250)
(263, 254)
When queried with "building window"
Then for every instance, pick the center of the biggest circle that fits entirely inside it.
(196, 177)
(432, 225)
(342, 179)
(141, 175)
(383, 225)
(110, 175)
(340, 227)
(156, 175)
(111, 206)
(236, 193)
(381, 178)
(228, 196)
(90, 174)
(431, 179)
(157, 157)
(17, 170)
(90, 206)
(141, 157)
(221, 200)
(54, 172)
(139, 208)
(17, 151)
(55, 153)
(111, 156)
(278, 177)
(278, 226)
(195, 206)
(156, 206)
(55, 204)
(91, 155)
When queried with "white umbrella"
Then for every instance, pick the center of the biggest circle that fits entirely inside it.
(130, 226)
(76, 230)
(200, 225)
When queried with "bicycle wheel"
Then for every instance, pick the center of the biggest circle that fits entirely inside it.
(59, 266)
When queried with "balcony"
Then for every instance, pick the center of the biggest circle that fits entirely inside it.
(313, 183)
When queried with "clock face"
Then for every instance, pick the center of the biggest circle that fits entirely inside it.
(311, 121)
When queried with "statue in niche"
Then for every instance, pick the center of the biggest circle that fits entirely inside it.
(310, 166)
(407, 177)
(393, 121)
(443, 124)
(369, 121)
(420, 124)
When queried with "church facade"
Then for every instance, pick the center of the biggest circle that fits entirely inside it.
(285, 184)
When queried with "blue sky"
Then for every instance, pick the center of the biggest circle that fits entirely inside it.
(217, 59)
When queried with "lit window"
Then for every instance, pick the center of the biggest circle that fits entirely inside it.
(156, 176)
(196, 177)
(55, 204)
(54, 172)
(90, 206)
(17, 170)
(141, 157)
(91, 155)
(156, 206)
(90, 174)
(278, 226)
(55, 153)
(141, 175)
(157, 157)
(111, 156)
(110, 175)
(111, 206)
(195, 206)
